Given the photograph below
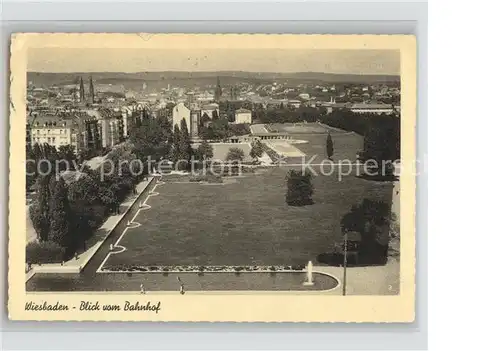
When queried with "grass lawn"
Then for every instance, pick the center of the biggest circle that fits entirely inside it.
(246, 221)
(242, 223)
(295, 128)
(345, 146)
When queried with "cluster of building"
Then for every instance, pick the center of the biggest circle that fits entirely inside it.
(198, 113)
(196, 116)
(84, 125)
(102, 115)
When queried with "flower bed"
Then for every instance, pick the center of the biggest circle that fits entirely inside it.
(271, 153)
(200, 269)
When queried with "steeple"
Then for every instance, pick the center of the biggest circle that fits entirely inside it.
(91, 90)
(218, 91)
(82, 90)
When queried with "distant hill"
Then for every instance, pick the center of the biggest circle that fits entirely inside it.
(153, 79)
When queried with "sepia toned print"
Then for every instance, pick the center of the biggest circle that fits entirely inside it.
(212, 177)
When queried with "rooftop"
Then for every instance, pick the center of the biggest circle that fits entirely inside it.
(371, 106)
(243, 110)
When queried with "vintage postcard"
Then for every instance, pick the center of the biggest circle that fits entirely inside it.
(212, 177)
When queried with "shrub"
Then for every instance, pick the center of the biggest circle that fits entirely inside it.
(299, 188)
(210, 178)
(235, 154)
(44, 252)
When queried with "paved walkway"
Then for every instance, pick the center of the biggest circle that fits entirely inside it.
(75, 265)
(258, 129)
(371, 280)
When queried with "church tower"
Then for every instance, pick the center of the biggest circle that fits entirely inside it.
(91, 91)
(218, 91)
(82, 90)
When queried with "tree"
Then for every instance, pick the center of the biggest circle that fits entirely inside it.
(235, 154)
(175, 149)
(39, 210)
(299, 188)
(257, 149)
(185, 148)
(381, 143)
(150, 139)
(205, 119)
(206, 150)
(329, 146)
(372, 220)
(61, 218)
(67, 153)
(215, 115)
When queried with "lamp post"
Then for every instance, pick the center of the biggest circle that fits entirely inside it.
(345, 264)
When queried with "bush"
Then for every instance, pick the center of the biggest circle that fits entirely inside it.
(299, 188)
(44, 252)
(235, 154)
(210, 178)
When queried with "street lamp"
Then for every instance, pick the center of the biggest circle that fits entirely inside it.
(345, 265)
(354, 238)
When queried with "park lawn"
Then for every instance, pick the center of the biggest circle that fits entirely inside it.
(345, 146)
(246, 222)
(297, 128)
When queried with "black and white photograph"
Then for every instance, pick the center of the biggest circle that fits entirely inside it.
(157, 171)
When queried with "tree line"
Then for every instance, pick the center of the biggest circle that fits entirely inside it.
(381, 132)
(68, 208)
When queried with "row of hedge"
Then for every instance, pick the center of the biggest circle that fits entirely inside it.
(135, 268)
(210, 178)
(271, 153)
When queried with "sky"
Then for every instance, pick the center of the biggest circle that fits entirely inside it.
(199, 60)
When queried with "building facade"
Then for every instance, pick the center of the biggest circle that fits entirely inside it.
(372, 108)
(243, 116)
(180, 112)
(55, 131)
(210, 110)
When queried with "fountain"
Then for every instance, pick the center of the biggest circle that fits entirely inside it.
(309, 274)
